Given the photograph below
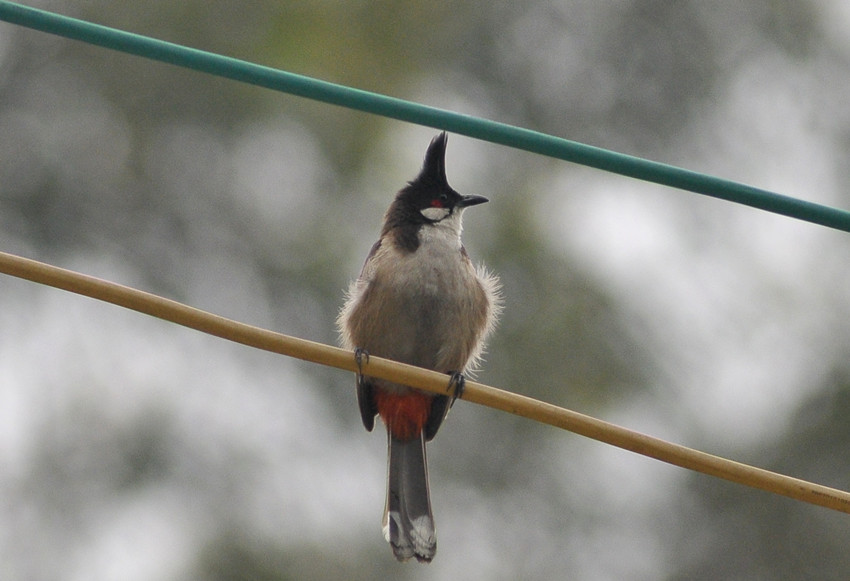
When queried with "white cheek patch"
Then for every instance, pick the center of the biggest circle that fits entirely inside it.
(435, 214)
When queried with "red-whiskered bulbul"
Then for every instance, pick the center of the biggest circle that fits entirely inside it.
(418, 300)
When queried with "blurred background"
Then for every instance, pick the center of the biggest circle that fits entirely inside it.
(135, 449)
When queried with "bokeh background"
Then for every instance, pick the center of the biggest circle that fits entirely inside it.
(134, 449)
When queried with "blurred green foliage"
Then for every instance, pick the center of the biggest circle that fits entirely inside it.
(261, 206)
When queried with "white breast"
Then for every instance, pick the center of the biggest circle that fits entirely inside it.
(437, 265)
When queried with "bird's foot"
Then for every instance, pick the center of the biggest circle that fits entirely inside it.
(359, 355)
(457, 383)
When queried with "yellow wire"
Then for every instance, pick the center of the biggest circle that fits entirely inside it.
(432, 381)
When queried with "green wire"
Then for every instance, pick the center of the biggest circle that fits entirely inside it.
(423, 115)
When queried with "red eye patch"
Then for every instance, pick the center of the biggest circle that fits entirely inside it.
(436, 204)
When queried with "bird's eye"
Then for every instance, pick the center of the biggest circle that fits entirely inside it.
(440, 201)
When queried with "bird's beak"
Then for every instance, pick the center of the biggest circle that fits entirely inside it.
(467, 201)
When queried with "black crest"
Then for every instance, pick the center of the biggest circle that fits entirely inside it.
(434, 168)
(431, 183)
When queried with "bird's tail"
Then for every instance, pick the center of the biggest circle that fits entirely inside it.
(408, 521)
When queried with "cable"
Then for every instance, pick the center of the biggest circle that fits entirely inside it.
(491, 131)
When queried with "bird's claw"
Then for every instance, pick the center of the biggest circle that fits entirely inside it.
(457, 383)
(359, 354)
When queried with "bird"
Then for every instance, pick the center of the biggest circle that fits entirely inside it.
(418, 300)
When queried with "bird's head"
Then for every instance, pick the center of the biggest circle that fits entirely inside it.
(429, 198)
